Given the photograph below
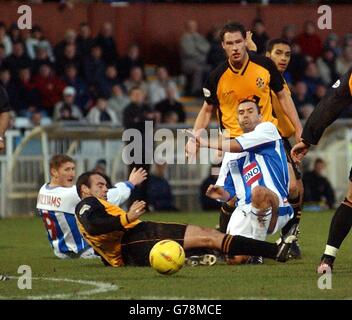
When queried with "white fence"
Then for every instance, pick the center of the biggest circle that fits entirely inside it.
(24, 167)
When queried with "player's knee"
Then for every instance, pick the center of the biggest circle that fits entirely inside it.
(293, 189)
(259, 194)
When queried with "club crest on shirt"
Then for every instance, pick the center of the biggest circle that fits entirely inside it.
(260, 83)
(251, 173)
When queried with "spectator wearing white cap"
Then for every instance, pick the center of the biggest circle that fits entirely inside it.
(67, 103)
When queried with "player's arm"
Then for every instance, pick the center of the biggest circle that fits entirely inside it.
(122, 190)
(217, 193)
(202, 122)
(289, 108)
(92, 214)
(4, 123)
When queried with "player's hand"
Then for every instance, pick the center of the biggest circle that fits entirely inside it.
(299, 151)
(215, 192)
(136, 210)
(137, 176)
(249, 42)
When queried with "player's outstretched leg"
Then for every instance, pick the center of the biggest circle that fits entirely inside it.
(199, 237)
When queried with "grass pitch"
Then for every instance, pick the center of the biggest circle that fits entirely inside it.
(23, 242)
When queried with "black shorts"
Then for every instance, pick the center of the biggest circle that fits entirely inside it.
(350, 177)
(137, 242)
(288, 148)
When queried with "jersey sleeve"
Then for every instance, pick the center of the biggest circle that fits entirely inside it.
(276, 80)
(328, 109)
(264, 132)
(229, 185)
(95, 220)
(120, 193)
(211, 84)
(4, 100)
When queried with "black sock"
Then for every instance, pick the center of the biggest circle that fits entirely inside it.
(340, 226)
(238, 245)
(225, 215)
(297, 211)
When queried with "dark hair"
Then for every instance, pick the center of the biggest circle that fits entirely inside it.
(232, 27)
(84, 179)
(250, 100)
(273, 42)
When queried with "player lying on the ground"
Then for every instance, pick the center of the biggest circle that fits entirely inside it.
(56, 205)
(257, 175)
(120, 238)
(326, 112)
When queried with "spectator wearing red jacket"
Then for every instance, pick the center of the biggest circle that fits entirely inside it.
(309, 42)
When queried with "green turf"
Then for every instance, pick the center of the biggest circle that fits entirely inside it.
(23, 242)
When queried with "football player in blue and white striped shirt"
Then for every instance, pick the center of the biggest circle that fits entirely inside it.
(56, 204)
(256, 172)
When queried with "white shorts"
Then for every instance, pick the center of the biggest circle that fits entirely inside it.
(240, 222)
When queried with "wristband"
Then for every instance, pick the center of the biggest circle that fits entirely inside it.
(129, 184)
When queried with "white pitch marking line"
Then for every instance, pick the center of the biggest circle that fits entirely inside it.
(101, 287)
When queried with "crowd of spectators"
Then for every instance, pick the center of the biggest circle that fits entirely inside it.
(83, 78)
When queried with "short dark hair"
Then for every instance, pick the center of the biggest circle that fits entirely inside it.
(232, 27)
(273, 42)
(250, 100)
(84, 179)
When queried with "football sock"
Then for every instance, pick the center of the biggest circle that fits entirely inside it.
(226, 211)
(297, 211)
(238, 245)
(340, 226)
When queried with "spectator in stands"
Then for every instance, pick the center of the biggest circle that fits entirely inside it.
(73, 80)
(118, 102)
(50, 88)
(207, 203)
(159, 192)
(309, 41)
(37, 39)
(158, 87)
(171, 104)
(136, 80)
(107, 43)
(84, 40)
(10, 86)
(131, 60)
(216, 54)
(41, 57)
(344, 62)
(347, 40)
(94, 66)
(289, 33)
(69, 57)
(300, 94)
(26, 92)
(260, 37)
(311, 77)
(297, 63)
(101, 113)
(15, 33)
(5, 39)
(194, 51)
(69, 38)
(67, 103)
(18, 59)
(326, 65)
(332, 42)
(134, 117)
(111, 77)
(305, 111)
(317, 187)
(319, 93)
